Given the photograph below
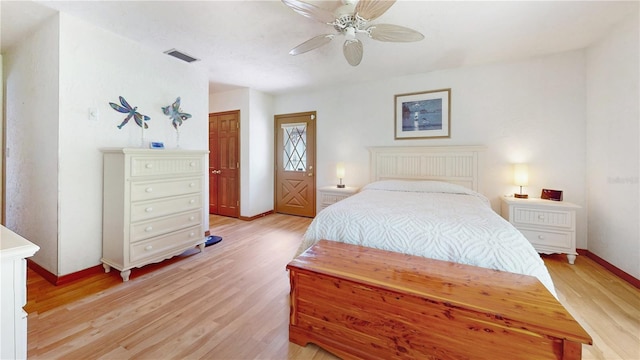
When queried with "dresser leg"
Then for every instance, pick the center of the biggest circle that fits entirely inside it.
(107, 267)
(201, 246)
(571, 258)
(125, 274)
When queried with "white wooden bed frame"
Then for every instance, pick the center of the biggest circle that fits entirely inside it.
(453, 164)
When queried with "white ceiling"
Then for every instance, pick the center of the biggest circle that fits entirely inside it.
(246, 43)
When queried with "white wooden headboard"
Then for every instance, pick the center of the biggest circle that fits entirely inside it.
(453, 164)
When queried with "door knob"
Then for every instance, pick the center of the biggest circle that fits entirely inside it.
(310, 174)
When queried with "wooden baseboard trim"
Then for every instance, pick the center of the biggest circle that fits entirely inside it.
(245, 218)
(64, 279)
(42, 272)
(612, 268)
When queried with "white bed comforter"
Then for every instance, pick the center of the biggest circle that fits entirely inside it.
(430, 219)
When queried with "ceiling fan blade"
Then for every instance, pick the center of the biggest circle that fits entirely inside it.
(393, 33)
(310, 11)
(352, 50)
(372, 9)
(311, 44)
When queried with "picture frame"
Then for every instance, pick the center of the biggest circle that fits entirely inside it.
(548, 194)
(422, 115)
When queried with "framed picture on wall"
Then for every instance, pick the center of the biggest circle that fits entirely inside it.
(424, 114)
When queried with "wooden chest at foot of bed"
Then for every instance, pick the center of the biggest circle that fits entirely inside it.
(363, 303)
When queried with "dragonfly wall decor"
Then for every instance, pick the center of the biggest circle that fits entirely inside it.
(131, 112)
(175, 113)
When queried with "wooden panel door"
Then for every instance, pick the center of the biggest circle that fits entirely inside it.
(224, 163)
(295, 162)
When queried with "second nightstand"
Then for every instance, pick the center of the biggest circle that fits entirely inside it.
(550, 226)
(331, 194)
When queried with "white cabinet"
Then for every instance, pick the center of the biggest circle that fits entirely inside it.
(332, 194)
(13, 251)
(153, 206)
(550, 226)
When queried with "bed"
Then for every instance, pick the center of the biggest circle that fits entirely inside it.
(423, 207)
(423, 201)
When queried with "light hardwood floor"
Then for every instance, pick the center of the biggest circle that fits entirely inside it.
(231, 302)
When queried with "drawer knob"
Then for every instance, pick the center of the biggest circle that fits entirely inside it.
(192, 164)
(192, 201)
(148, 189)
(541, 237)
(191, 218)
(192, 234)
(149, 228)
(148, 247)
(541, 217)
(192, 185)
(148, 165)
(149, 209)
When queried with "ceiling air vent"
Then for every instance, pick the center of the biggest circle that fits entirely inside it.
(180, 55)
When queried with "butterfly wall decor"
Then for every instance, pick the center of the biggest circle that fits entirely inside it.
(175, 113)
(131, 112)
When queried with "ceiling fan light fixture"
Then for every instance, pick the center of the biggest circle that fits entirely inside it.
(350, 19)
(350, 33)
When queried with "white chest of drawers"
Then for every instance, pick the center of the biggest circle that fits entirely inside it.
(13, 280)
(550, 226)
(152, 206)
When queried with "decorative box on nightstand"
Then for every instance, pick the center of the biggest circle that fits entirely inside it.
(549, 225)
(332, 194)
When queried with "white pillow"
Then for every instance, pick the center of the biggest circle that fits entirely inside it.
(422, 186)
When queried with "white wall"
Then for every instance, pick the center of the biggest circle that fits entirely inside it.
(1, 142)
(95, 67)
(32, 119)
(256, 146)
(613, 169)
(530, 111)
(261, 168)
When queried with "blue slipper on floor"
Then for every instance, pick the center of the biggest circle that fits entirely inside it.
(212, 240)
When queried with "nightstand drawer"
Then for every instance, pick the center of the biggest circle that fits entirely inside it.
(329, 195)
(547, 238)
(555, 218)
(328, 199)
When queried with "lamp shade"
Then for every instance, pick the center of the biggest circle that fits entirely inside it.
(340, 170)
(521, 174)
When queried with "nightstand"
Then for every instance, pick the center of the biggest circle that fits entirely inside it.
(550, 226)
(331, 194)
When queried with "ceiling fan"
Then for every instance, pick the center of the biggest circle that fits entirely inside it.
(351, 19)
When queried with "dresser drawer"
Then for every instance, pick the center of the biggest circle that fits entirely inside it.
(156, 208)
(530, 216)
(149, 190)
(548, 238)
(152, 248)
(146, 229)
(152, 166)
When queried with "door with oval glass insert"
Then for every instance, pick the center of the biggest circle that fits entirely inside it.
(295, 162)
